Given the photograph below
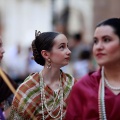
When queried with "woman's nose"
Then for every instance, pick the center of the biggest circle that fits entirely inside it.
(68, 51)
(99, 45)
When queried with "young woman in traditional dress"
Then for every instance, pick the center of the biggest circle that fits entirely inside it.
(97, 95)
(44, 95)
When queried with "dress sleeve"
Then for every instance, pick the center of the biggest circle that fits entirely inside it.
(74, 106)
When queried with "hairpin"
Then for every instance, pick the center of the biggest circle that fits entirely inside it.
(37, 33)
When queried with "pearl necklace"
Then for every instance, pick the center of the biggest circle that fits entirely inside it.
(101, 98)
(111, 87)
(57, 98)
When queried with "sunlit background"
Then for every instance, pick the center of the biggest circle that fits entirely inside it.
(75, 18)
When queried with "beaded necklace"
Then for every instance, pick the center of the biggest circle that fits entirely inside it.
(111, 87)
(101, 98)
(58, 97)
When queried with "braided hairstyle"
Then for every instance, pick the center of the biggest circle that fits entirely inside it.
(114, 23)
(43, 41)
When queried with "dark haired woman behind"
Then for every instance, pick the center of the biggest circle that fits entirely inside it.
(44, 94)
(6, 94)
(97, 95)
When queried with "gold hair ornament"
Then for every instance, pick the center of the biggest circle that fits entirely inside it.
(37, 33)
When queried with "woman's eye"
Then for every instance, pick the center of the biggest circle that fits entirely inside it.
(106, 40)
(61, 47)
(95, 41)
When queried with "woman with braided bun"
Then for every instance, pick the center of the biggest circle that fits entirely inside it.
(97, 95)
(44, 95)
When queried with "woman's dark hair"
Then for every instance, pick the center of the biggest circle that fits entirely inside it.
(43, 41)
(114, 23)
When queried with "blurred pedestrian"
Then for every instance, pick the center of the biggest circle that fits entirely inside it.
(83, 65)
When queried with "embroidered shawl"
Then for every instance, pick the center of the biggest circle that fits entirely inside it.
(27, 102)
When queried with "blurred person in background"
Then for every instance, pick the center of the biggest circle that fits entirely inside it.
(6, 94)
(97, 95)
(45, 94)
(77, 45)
(83, 65)
(17, 67)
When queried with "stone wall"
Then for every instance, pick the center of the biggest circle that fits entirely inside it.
(104, 9)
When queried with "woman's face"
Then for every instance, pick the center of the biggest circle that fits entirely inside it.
(60, 54)
(1, 49)
(106, 47)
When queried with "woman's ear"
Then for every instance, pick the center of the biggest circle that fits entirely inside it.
(45, 54)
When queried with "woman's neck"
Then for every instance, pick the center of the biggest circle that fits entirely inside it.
(51, 75)
(112, 73)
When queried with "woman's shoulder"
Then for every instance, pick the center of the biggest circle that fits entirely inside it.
(90, 80)
(69, 78)
(32, 76)
(28, 90)
(31, 82)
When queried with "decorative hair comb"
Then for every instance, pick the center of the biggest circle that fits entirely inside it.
(37, 33)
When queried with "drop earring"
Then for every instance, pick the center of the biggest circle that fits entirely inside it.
(48, 63)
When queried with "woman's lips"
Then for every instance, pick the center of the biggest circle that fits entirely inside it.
(100, 54)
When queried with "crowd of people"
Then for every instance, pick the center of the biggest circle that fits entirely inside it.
(52, 93)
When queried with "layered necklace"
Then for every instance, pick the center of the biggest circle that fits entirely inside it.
(111, 87)
(58, 98)
(101, 98)
(101, 95)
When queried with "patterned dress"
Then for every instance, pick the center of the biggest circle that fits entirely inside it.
(27, 101)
